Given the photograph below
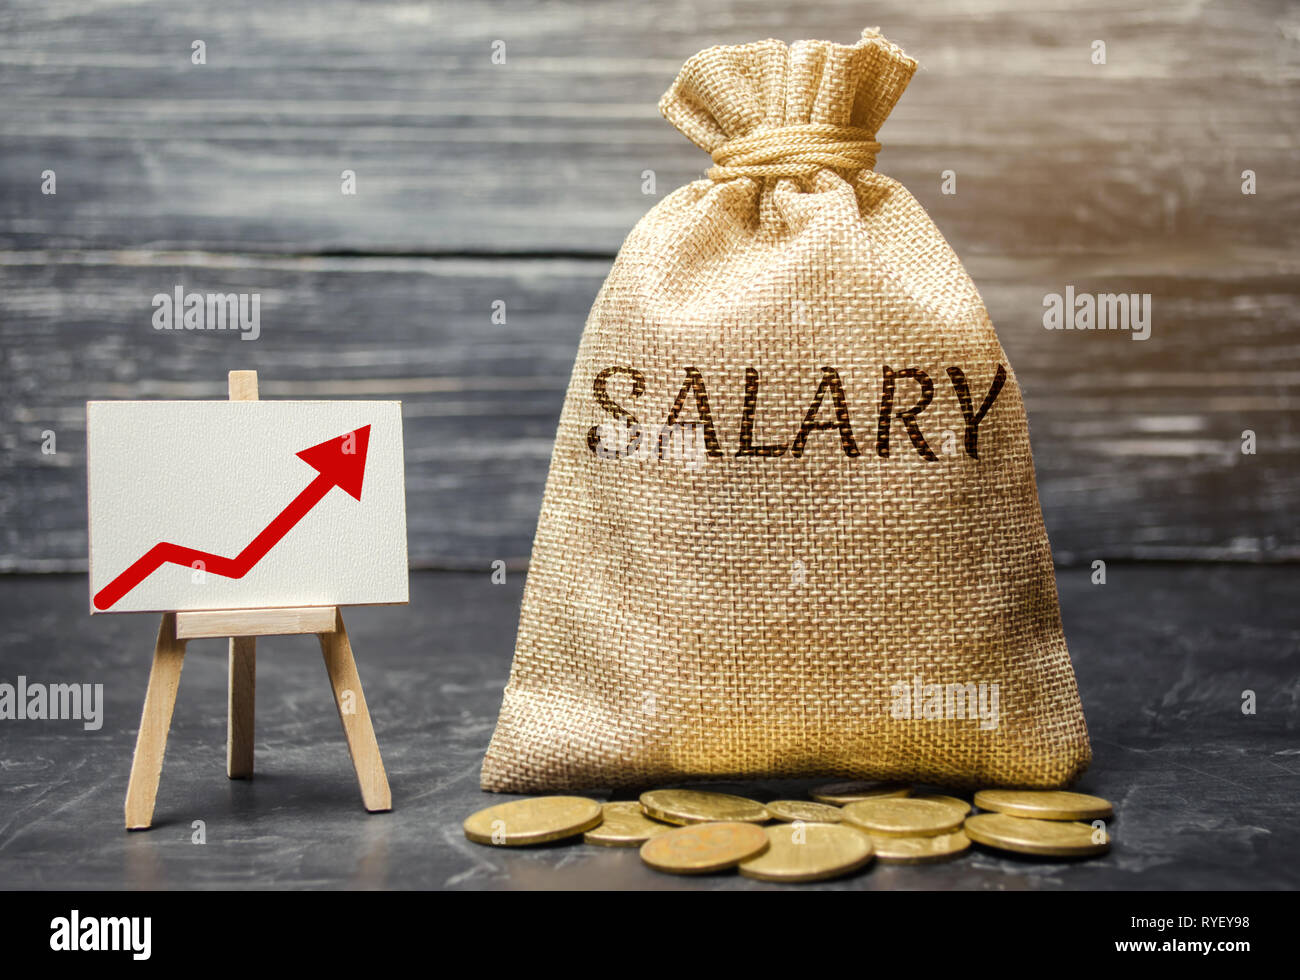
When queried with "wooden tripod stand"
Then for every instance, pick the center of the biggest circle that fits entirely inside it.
(243, 626)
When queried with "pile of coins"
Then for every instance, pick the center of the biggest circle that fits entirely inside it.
(841, 829)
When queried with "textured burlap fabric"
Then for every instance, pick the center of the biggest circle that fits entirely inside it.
(791, 526)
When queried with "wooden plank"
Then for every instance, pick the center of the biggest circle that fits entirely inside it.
(480, 400)
(254, 622)
(155, 722)
(1127, 173)
(1137, 444)
(545, 153)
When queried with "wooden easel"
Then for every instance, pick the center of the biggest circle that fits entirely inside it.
(243, 626)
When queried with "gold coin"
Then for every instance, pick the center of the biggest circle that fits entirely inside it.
(854, 790)
(960, 805)
(1055, 838)
(535, 821)
(809, 852)
(919, 850)
(623, 825)
(704, 847)
(903, 817)
(686, 806)
(1044, 804)
(792, 810)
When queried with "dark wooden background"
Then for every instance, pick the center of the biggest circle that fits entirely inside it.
(517, 182)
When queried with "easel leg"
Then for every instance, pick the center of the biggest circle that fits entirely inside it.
(355, 716)
(156, 719)
(239, 716)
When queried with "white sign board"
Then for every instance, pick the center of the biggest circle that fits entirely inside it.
(241, 505)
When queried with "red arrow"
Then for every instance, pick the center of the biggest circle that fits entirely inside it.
(340, 462)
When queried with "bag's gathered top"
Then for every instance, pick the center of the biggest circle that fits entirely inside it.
(771, 110)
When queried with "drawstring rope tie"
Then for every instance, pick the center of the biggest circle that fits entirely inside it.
(795, 151)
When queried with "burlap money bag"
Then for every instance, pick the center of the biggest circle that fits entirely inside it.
(791, 526)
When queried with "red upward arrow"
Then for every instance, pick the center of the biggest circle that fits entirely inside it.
(340, 463)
